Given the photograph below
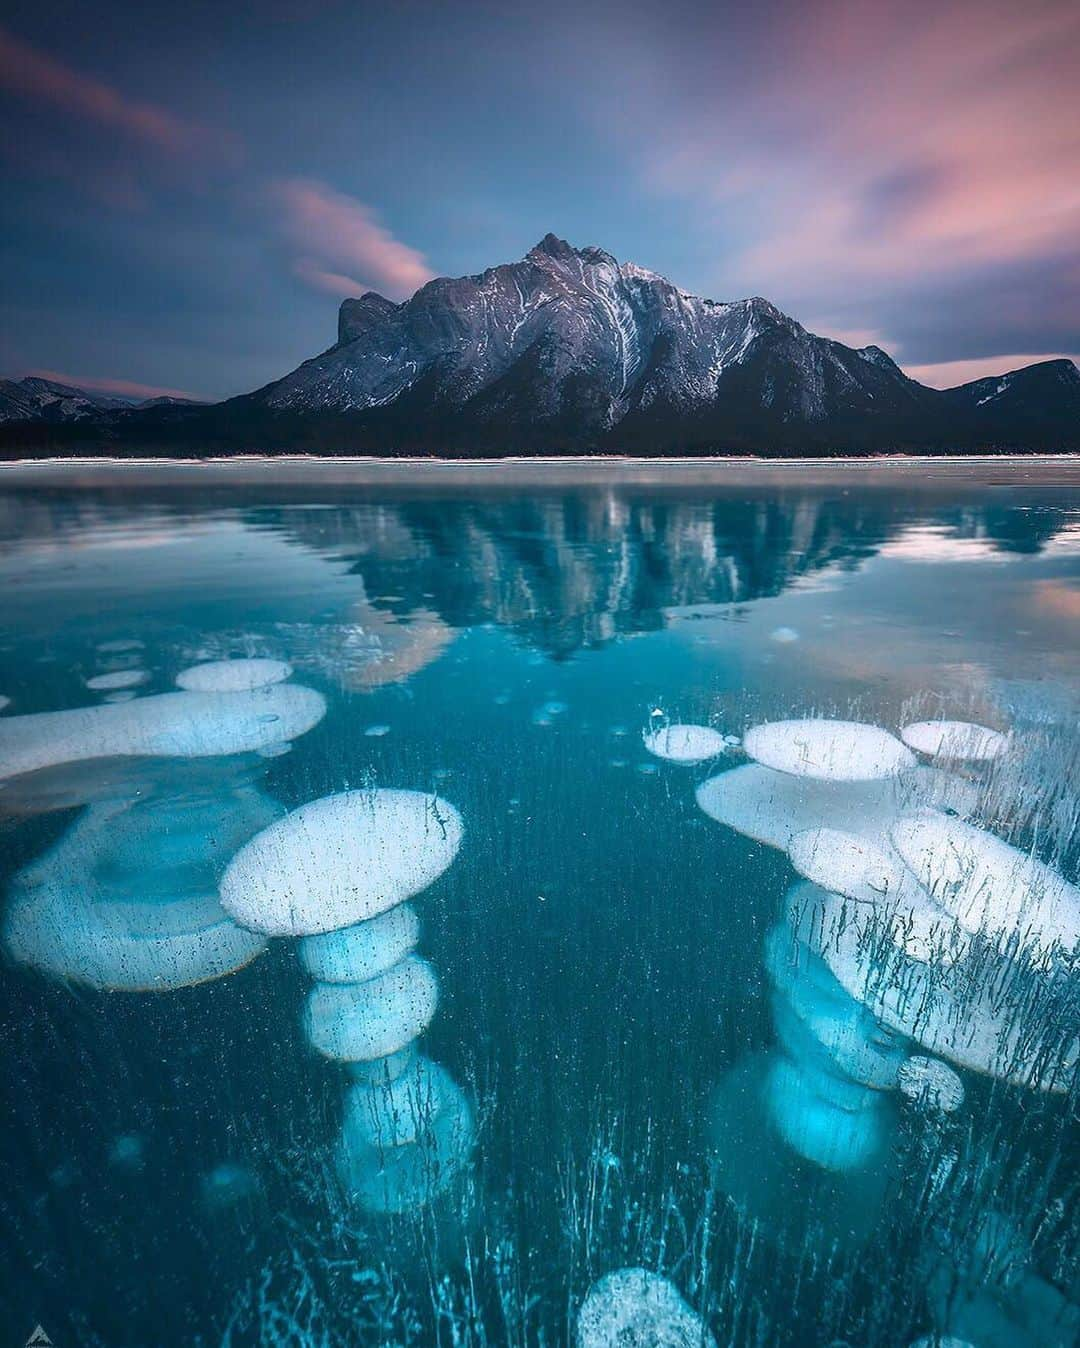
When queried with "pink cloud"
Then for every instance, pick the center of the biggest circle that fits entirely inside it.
(900, 139)
(123, 388)
(337, 237)
(32, 74)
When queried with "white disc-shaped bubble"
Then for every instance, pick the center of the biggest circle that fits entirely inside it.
(62, 936)
(848, 865)
(118, 679)
(170, 725)
(831, 1137)
(408, 1177)
(772, 807)
(685, 743)
(341, 860)
(391, 1113)
(233, 676)
(959, 740)
(355, 1022)
(81, 912)
(120, 646)
(226, 1184)
(633, 1308)
(985, 884)
(162, 850)
(356, 953)
(931, 1083)
(836, 751)
(861, 870)
(5, 702)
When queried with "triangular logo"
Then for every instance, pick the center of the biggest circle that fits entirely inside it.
(39, 1339)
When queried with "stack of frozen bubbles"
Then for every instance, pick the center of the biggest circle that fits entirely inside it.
(912, 932)
(338, 873)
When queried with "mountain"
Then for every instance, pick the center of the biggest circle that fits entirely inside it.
(569, 350)
(568, 347)
(33, 398)
(1042, 397)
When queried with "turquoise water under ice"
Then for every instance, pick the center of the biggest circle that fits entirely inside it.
(501, 641)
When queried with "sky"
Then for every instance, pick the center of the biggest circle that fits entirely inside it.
(187, 192)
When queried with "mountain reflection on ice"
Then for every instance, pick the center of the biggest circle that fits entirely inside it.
(611, 913)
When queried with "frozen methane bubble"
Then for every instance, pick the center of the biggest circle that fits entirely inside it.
(77, 912)
(820, 1131)
(931, 1083)
(772, 807)
(392, 1112)
(356, 953)
(117, 680)
(397, 1179)
(985, 884)
(685, 743)
(355, 1022)
(834, 751)
(120, 646)
(227, 1183)
(233, 676)
(5, 702)
(836, 1070)
(847, 864)
(633, 1308)
(955, 739)
(340, 860)
(864, 872)
(170, 725)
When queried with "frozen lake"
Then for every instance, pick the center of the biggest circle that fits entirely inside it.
(687, 883)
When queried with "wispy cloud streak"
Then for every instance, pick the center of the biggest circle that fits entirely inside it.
(30, 73)
(340, 246)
